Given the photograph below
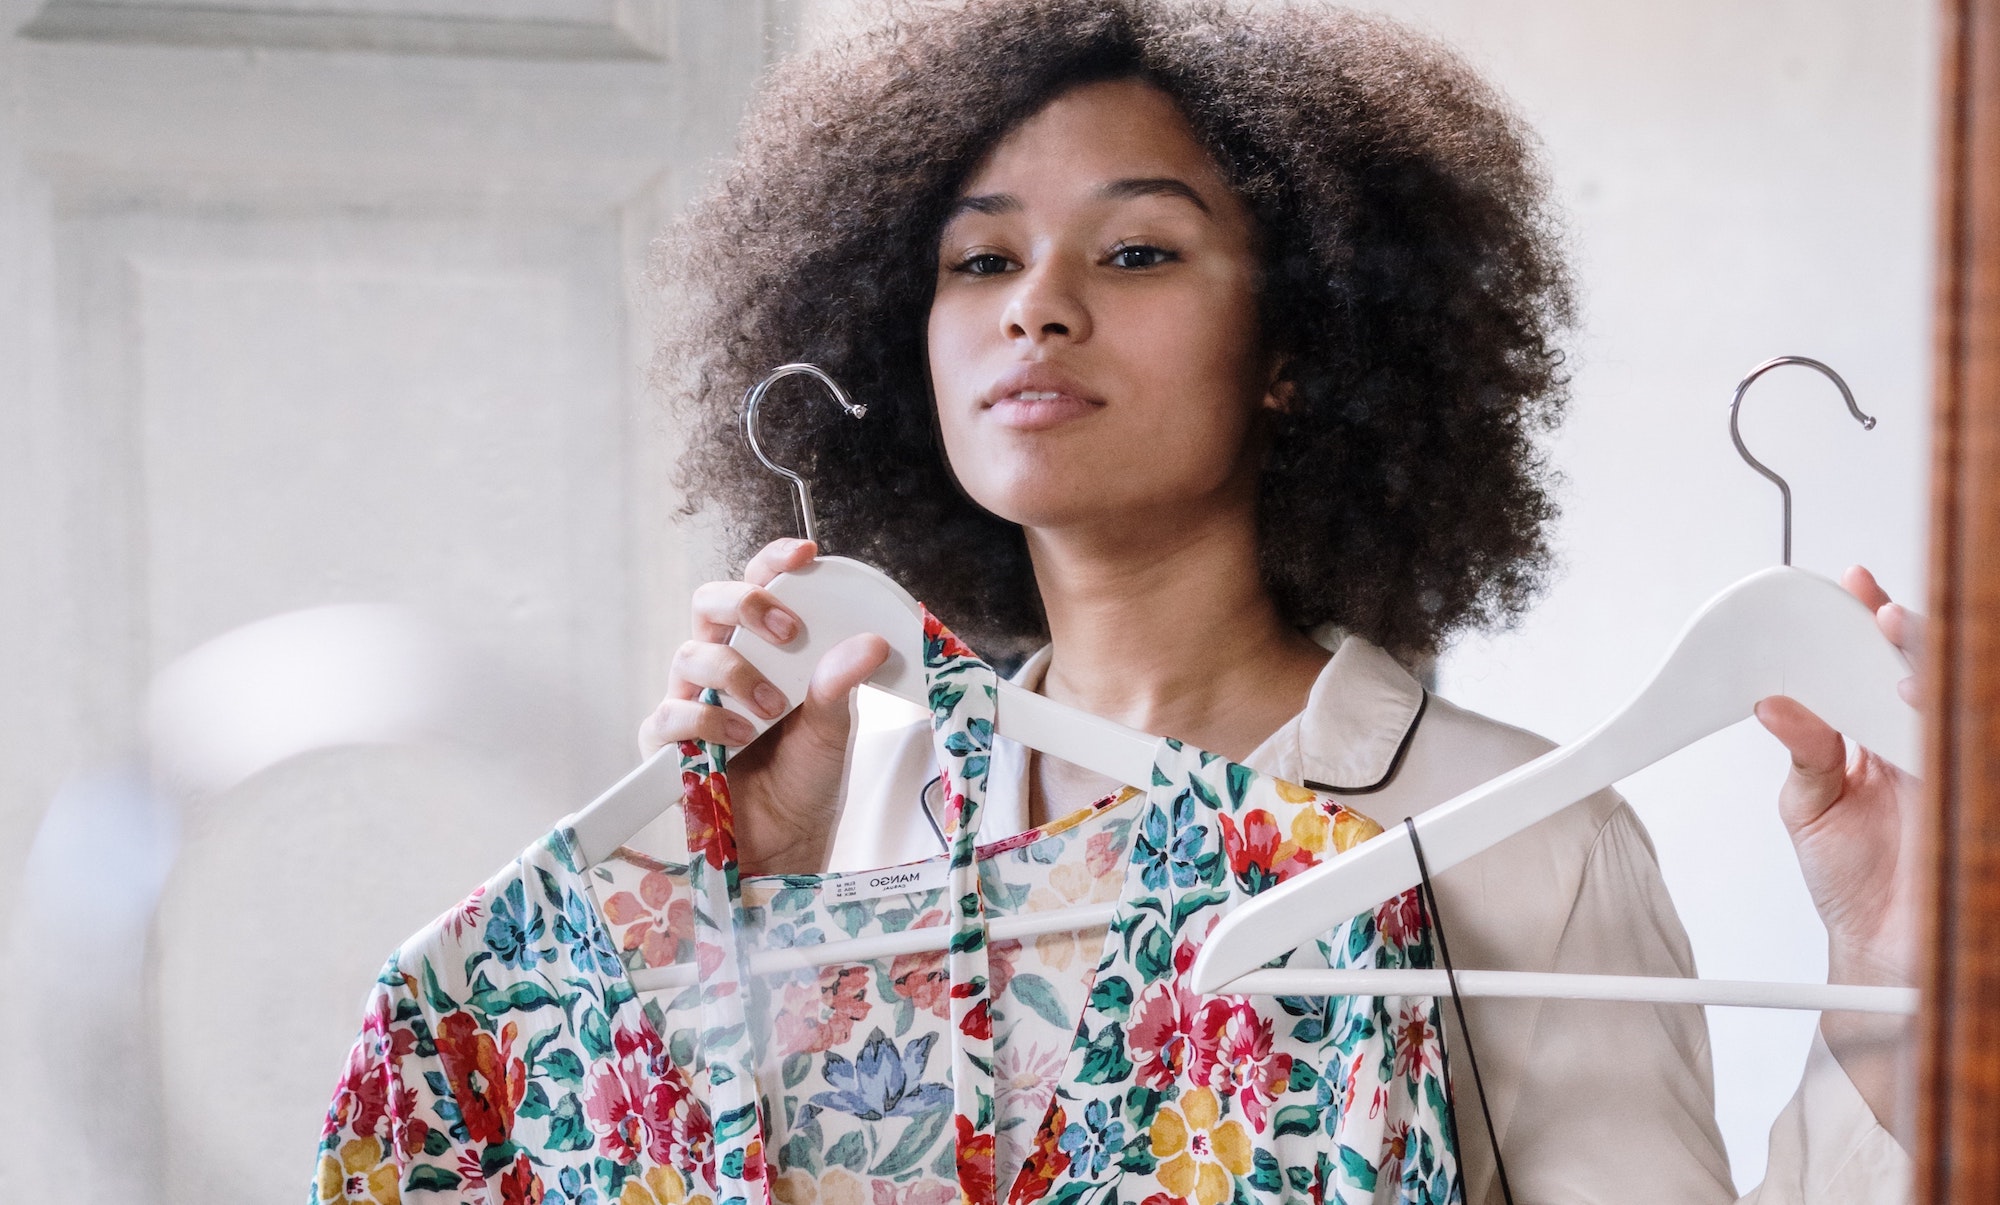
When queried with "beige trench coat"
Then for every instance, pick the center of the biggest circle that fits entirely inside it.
(1606, 1104)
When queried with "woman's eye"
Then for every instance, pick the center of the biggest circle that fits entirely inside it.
(1140, 255)
(985, 263)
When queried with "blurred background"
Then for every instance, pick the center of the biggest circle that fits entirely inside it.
(335, 311)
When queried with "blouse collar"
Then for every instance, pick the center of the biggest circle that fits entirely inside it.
(1359, 717)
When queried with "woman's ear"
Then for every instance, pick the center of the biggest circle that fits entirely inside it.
(1278, 391)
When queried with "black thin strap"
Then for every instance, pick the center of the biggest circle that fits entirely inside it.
(1427, 898)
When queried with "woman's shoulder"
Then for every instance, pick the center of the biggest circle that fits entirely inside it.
(1440, 750)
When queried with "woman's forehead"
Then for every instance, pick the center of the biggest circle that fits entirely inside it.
(1097, 134)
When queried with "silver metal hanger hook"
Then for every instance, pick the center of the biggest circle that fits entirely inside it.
(802, 492)
(1736, 435)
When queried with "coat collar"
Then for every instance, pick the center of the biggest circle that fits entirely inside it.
(1359, 717)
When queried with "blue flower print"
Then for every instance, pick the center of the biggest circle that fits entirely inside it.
(589, 945)
(1180, 859)
(515, 927)
(882, 1082)
(1090, 1142)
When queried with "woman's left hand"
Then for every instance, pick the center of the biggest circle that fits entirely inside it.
(1857, 826)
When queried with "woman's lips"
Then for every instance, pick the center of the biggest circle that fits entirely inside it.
(1039, 410)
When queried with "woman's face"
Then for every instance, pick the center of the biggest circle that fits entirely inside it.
(1093, 337)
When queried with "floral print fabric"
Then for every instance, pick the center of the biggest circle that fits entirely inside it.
(508, 1057)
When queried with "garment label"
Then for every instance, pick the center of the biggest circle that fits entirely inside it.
(897, 880)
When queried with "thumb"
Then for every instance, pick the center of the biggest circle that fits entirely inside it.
(846, 665)
(1819, 760)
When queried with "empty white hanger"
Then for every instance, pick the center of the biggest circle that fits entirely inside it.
(1781, 631)
(836, 598)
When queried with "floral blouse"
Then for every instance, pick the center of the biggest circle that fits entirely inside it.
(507, 1056)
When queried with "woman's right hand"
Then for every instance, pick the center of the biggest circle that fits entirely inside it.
(785, 788)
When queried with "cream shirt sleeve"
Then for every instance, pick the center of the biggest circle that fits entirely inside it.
(1620, 1109)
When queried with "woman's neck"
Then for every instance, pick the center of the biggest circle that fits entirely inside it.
(1173, 635)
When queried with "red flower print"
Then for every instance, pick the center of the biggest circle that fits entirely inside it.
(1169, 1038)
(1245, 1066)
(1103, 853)
(487, 1081)
(1000, 960)
(1401, 920)
(706, 810)
(632, 1117)
(1414, 1041)
(659, 924)
(1395, 1140)
(519, 1185)
(1259, 852)
(459, 919)
(361, 1099)
(1047, 1161)
(917, 1192)
(948, 644)
(975, 1163)
(978, 1023)
(819, 1016)
(923, 980)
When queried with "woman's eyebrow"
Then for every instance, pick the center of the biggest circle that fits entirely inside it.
(1116, 190)
(1153, 186)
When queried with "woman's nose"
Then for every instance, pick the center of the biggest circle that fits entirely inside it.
(1046, 305)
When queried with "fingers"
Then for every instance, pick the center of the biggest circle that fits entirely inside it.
(676, 720)
(845, 666)
(1819, 760)
(701, 665)
(721, 607)
(1862, 585)
(779, 556)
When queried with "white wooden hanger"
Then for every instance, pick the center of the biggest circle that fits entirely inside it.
(1781, 631)
(836, 598)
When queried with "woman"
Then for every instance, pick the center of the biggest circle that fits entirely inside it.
(1186, 333)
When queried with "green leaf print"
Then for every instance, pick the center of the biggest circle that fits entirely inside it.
(913, 1147)
(1205, 793)
(524, 996)
(1155, 955)
(1104, 1059)
(1296, 1119)
(1238, 780)
(535, 1103)
(595, 1033)
(800, 1154)
(796, 1068)
(1357, 1169)
(426, 1178)
(1112, 997)
(568, 1131)
(1037, 993)
(851, 1152)
(1264, 1171)
(495, 1158)
(436, 1143)
(433, 994)
(946, 1166)
(563, 1066)
(1188, 905)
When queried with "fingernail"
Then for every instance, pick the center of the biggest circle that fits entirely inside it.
(739, 730)
(769, 700)
(781, 626)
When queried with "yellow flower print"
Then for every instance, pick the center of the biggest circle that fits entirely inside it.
(1351, 829)
(837, 1187)
(1292, 792)
(1198, 1156)
(360, 1173)
(1311, 829)
(660, 1186)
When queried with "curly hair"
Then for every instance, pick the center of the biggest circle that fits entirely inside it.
(1412, 285)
